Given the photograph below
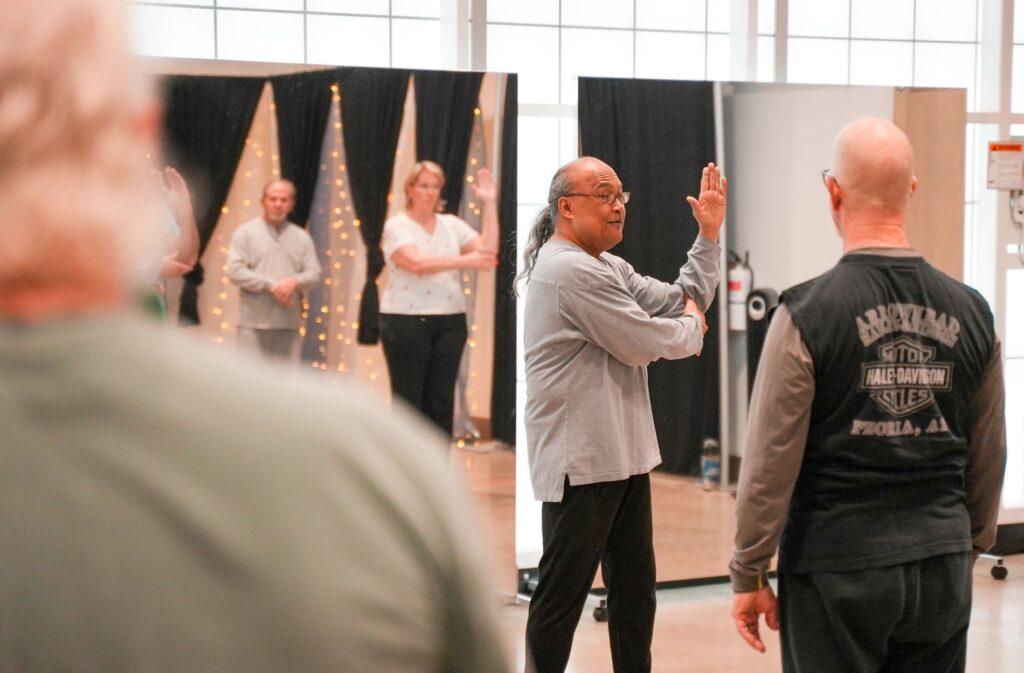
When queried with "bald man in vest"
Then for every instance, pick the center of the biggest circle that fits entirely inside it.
(876, 444)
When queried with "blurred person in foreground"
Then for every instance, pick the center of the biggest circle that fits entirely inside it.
(166, 507)
(876, 442)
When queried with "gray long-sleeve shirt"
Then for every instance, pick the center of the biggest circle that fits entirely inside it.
(154, 523)
(260, 255)
(778, 424)
(592, 325)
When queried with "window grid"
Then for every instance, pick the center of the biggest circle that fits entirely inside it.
(632, 30)
(913, 41)
(215, 9)
(1017, 77)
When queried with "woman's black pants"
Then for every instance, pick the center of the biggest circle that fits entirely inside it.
(423, 353)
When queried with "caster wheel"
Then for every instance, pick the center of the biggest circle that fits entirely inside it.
(999, 572)
(601, 614)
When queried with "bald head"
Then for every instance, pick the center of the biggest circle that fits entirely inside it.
(280, 182)
(584, 167)
(580, 216)
(873, 163)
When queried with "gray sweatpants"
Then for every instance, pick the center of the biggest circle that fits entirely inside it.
(273, 344)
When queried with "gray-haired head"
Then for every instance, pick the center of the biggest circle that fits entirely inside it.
(544, 223)
(77, 134)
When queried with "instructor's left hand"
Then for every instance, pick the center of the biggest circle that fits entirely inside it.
(709, 207)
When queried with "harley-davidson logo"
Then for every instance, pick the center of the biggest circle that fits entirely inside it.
(905, 378)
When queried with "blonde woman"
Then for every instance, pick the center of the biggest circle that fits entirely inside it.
(423, 309)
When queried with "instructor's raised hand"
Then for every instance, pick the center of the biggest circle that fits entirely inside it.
(709, 207)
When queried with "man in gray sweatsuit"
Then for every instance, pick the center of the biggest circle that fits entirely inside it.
(272, 261)
(592, 325)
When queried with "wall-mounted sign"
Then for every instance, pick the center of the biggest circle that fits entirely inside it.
(1006, 165)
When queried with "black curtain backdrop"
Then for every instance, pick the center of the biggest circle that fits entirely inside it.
(503, 393)
(658, 135)
(303, 102)
(206, 120)
(444, 125)
(372, 102)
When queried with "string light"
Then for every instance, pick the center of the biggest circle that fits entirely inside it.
(472, 211)
(331, 225)
(240, 206)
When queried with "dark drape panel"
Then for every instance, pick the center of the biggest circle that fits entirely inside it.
(372, 101)
(444, 124)
(658, 135)
(206, 120)
(303, 101)
(503, 393)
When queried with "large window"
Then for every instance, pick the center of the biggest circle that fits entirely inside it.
(385, 33)
(889, 42)
(551, 43)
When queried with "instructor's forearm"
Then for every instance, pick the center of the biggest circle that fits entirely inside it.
(700, 275)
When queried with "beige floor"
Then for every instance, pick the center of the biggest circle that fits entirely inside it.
(693, 631)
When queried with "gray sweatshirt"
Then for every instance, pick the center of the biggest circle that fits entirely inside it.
(592, 325)
(261, 255)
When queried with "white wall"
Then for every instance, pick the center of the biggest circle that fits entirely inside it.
(778, 138)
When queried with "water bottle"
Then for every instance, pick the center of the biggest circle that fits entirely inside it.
(710, 464)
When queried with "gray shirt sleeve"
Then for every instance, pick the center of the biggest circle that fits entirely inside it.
(610, 318)
(309, 274)
(987, 457)
(699, 277)
(240, 265)
(778, 421)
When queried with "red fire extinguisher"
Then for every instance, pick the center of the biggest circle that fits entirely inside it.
(740, 279)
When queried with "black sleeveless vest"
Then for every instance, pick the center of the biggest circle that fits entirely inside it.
(899, 348)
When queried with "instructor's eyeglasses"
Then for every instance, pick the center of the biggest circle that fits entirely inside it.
(605, 198)
(826, 173)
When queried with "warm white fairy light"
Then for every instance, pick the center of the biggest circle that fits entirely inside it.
(477, 361)
(344, 270)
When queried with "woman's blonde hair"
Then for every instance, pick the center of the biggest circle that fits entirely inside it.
(414, 175)
(73, 157)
